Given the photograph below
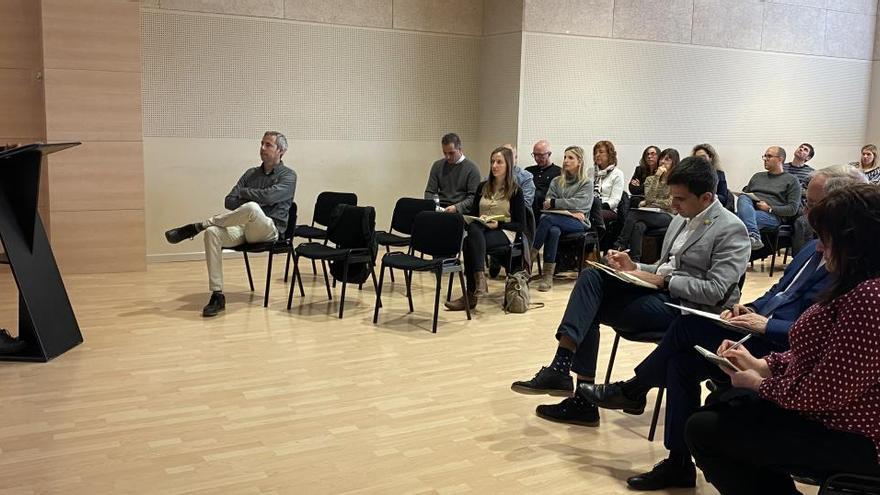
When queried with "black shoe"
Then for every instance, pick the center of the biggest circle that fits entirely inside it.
(10, 344)
(494, 267)
(183, 233)
(215, 305)
(611, 396)
(570, 412)
(666, 473)
(546, 381)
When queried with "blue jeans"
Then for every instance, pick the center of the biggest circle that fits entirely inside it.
(551, 227)
(755, 220)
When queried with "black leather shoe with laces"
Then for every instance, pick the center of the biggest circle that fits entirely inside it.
(182, 233)
(611, 396)
(666, 473)
(215, 305)
(546, 381)
(570, 412)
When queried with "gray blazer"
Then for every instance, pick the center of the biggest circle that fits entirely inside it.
(713, 260)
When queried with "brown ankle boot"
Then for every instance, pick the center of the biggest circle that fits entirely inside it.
(458, 304)
(547, 277)
(482, 284)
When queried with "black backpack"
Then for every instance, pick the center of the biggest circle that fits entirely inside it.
(352, 227)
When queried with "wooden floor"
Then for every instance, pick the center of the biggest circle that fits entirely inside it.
(160, 400)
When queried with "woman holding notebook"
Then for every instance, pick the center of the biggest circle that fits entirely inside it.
(568, 203)
(497, 214)
(815, 409)
(654, 212)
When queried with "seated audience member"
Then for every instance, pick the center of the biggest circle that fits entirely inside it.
(707, 151)
(524, 180)
(798, 167)
(778, 193)
(675, 365)
(656, 196)
(543, 171)
(815, 409)
(609, 179)
(497, 196)
(259, 203)
(571, 192)
(453, 178)
(869, 165)
(646, 167)
(705, 252)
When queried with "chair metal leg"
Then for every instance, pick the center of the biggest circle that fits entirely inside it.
(344, 283)
(247, 267)
(314, 266)
(611, 358)
(467, 306)
(287, 266)
(268, 281)
(437, 299)
(407, 276)
(326, 280)
(299, 277)
(580, 257)
(656, 415)
(378, 294)
(390, 270)
(375, 284)
(293, 282)
(449, 291)
(773, 254)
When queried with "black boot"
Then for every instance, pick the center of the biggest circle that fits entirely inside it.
(613, 396)
(547, 381)
(573, 410)
(183, 233)
(215, 305)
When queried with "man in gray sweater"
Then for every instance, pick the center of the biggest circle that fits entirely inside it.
(774, 197)
(453, 178)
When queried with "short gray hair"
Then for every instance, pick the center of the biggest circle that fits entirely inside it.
(840, 176)
(280, 140)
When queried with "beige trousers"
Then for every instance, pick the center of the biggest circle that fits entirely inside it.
(247, 223)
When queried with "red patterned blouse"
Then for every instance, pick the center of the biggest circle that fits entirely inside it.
(832, 372)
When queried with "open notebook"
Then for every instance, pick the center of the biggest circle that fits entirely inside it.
(721, 362)
(483, 219)
(711, 316)
(621, 275)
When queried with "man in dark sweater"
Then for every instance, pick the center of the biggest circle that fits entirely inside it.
(775, 197)
(544, 171)
(453, 178)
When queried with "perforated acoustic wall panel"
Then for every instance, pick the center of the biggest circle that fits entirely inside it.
(208, 76)
(499, 91)
(640, 92)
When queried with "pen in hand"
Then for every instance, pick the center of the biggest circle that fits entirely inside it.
(739, 342)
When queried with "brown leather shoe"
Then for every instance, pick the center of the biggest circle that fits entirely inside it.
(482, 284)
(458, 304)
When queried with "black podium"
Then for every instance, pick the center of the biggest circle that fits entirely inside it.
(45, 318)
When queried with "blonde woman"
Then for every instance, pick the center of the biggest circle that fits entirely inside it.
(571, 194)
(869, 165)
(500, 199)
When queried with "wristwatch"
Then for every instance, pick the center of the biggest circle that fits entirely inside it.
(666, 280)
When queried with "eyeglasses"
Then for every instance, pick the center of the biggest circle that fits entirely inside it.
(536, 155)
(767, 157)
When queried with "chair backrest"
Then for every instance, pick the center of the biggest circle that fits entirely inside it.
(438, 234)
(405, 212)
(291, 222)
(352, 227)
(328, 200)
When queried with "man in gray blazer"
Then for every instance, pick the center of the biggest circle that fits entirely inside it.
(705, 253)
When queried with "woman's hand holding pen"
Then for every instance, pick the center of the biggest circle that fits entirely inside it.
(743, 359)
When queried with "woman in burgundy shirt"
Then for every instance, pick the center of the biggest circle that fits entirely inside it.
(816, 410)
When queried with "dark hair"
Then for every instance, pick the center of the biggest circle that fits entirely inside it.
(509, 180)
(451, 138)
(695, 173)
(643, 160)
(710, 150)
(672, 153)
(781, 152)
(847, 222)
(812, 151)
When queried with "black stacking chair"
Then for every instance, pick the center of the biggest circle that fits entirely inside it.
(774, 239)
(614, 226)
(324, 205)
(352, 230)
(435, 234)
(282, 245)
(580, 240)
(405, 211)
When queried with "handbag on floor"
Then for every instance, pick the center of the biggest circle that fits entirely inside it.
(516, 294)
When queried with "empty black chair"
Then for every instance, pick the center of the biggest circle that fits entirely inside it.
(283, 245)
(435, 234)
(324, 205)
(352, 230)
(405, 211)
(774, 239)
